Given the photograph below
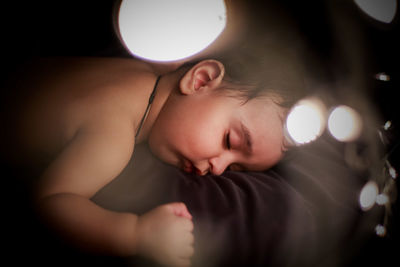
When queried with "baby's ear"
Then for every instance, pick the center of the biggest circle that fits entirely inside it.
(205, 75)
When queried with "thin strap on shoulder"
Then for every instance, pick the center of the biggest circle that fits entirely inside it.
(151, 98)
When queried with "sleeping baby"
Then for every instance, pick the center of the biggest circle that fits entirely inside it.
(78, 121)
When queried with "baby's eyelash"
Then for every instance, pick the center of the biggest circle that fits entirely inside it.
(227, 141)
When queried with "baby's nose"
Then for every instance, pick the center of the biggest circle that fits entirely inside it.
(217, 166)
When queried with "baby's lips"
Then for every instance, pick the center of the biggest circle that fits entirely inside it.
(189, 167)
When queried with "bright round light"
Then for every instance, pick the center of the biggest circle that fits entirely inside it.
(387, 125)
(306, 121)
(344, 124)
(381, 10)
(382, 77)
(380, 230)
(170, 30)
(368, 195)
(382, 199)
(392, 172)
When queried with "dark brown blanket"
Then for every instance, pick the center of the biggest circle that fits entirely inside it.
(300, 213)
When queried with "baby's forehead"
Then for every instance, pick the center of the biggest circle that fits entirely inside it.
(249, 95)
(263, 113)
(268, 105)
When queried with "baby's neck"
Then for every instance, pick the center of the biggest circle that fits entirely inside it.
(166, 85)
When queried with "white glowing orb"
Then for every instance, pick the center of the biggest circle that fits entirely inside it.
(382, 77)
(306, 121)
(368, 195)
(162, 30)
(380, 230)
(344, 123)
(382, 199)
(381, 10)
(387, 125)
(393, 172)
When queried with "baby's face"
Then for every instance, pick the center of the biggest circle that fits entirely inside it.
(210, 132)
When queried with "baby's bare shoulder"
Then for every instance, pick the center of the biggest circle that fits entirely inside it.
(66, 95)
(95, 86)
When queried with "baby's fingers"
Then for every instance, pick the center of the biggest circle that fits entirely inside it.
(179, 209)
(187, 252)
(188, 239)
(186, 249)
(187, 225)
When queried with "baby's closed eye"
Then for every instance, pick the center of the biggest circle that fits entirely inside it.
(228, 141)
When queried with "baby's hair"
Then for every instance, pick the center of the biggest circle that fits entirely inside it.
(267, 57)
(256, 70)
(264, 71)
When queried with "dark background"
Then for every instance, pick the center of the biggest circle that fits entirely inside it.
(31, 29)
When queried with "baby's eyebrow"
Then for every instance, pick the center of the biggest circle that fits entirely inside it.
(247, 138)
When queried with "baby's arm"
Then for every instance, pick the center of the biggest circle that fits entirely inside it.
(96, 155)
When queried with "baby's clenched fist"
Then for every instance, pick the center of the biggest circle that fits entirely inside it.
(165, 234)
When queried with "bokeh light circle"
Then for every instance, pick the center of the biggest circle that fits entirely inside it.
(368, 195)
(171, 30)
(306, 120)
(344, 123)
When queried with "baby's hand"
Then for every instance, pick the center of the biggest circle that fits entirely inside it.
(165, 235)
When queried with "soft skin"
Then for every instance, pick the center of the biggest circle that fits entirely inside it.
(79, 118)
(82, 119)
(203, 129)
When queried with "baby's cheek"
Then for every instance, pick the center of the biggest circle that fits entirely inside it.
(202, 147)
